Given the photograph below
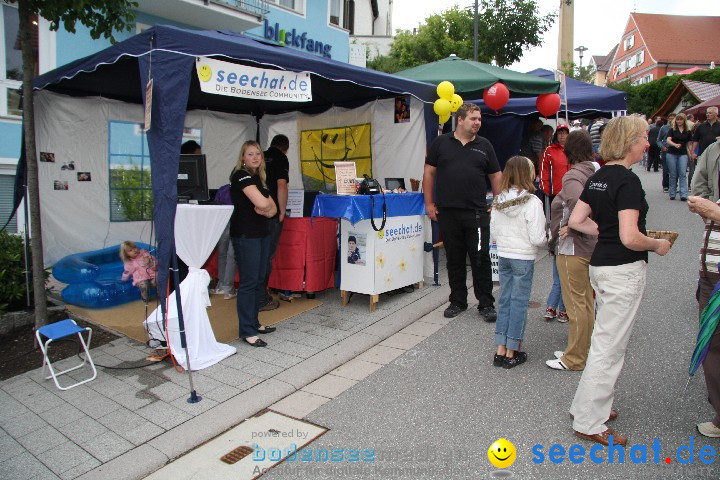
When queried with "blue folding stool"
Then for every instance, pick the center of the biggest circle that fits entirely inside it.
(57, 331)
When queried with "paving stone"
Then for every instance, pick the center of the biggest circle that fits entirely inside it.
(295, 349)
(41, 440)
(164, 415)
(25, 467)
(20, 426)
(64, 457)
(227, 376)
(380, 354)
(194, 409)
(238, 360)
(62, 415)
(299, 404)
(356, 369)
(109, 386)
(142, 434)
(9, 447)
(168, 391)
(329, 386)
(142, 380)
(80, 469)
(422, 329)
(222, 393)
(35, 397)
(121, 420)
(135, 399)
(10, 407)
(83, 431)
(107, 446)
(403, 341)
(331, 333)
(262, 370)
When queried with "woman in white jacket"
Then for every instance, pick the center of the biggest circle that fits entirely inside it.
(517, 224)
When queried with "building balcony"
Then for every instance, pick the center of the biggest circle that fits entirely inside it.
(235, 15)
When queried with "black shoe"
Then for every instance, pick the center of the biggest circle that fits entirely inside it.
(683, 199)
(453, 310)
(266, 330)
(256, 343)
(520, 357)
(488, 313)
(498, 360)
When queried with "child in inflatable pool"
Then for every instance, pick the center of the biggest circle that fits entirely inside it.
(141, 266)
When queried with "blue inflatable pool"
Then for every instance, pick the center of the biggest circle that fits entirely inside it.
(93, 278)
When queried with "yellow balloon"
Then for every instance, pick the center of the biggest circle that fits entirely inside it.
(441, 107)
(445, 90)
(444, 118)
(455, 102)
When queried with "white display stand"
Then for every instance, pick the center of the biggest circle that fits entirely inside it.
(197, 231)
(390, 259)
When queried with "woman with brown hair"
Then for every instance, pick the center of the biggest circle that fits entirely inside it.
(572, 254)
(677, 156)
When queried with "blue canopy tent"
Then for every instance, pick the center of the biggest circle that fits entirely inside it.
(167, 55)
(583, 101)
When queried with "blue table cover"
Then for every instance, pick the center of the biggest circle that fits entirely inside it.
(357, 207)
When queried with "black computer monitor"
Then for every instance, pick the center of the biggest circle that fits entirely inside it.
(192, 179)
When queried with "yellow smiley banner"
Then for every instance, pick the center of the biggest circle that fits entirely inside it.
(234, 80)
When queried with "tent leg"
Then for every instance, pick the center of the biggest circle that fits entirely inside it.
(194, 397)
(436, 251)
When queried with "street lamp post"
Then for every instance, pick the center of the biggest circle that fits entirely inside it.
(581, 49)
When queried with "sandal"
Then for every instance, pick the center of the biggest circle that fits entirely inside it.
(498, 360)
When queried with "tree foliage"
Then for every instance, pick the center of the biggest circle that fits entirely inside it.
(102, 18)
(649, 97)
(584, 74)
(505, 29)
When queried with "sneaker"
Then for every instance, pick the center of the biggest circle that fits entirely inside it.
(228, 296)
(556, 364)
(550, 313)
(216, 291)
(666, 190)
(709, 429)
(558, 354)
(272, 305)
(562, 317)
(453, 310)
(520, 357)
(488, 313)
(498, 360)
(284, 298)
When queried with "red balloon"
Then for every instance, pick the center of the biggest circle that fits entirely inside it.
(497, 96)
(548, 104)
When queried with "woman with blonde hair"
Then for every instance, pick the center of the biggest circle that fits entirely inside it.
(250, 235)
(679, 138)
(613, 207)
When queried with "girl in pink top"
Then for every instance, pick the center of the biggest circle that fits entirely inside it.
(141, 266)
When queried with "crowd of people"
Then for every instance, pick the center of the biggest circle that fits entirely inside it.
(597, 236)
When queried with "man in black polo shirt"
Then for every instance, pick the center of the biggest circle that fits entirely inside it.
(277, 169)
(456, 168)
(706, 133)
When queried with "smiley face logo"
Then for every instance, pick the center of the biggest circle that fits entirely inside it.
(204, 73)
(381, 234)
(501, 453)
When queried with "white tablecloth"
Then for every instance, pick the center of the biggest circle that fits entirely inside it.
(197, 231)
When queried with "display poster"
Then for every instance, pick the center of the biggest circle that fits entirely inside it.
(345, 178)
(148, 105)
(295, 203)
(320, 149)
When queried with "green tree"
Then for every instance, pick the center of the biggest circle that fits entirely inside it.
(585, 74)
(103, 18)
(505, 29)
(649, 97)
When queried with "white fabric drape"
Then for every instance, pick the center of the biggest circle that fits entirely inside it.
(197, 230)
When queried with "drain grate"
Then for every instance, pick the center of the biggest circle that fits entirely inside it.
(234, 456)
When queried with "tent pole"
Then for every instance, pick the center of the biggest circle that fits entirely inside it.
(194, 397)
(27, 247)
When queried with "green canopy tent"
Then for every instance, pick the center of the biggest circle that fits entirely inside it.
(471, 78)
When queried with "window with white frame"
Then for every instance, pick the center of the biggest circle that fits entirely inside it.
(640, 57)
(11, 65)
(648, 78)
(294, 5)
(337, 12)
(629, 63)
(629, 42)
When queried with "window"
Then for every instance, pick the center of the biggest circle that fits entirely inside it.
(294, 5)
(629, 63)
(648, 78)
(130, 176)
(640, 57)
(337, 10)
(629, 42)
(11, 66)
